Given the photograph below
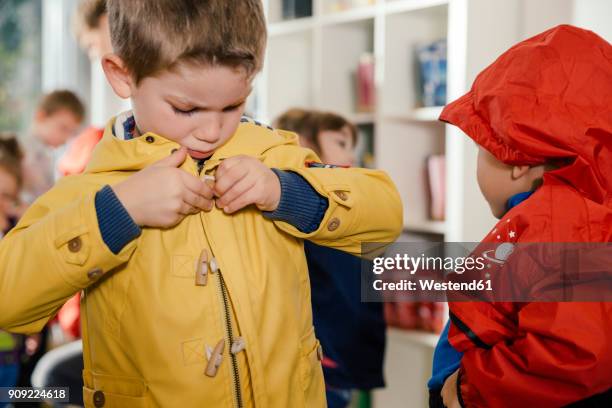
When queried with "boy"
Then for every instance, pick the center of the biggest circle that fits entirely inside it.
(58, 116)
(351, 332)
(185, 304)
(541, 117)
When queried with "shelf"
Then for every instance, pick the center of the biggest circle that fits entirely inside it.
(362, 118)
(414, 337)
(430, 114)
(402, 6)
(291, 26)
(348, 16)
(430, 227)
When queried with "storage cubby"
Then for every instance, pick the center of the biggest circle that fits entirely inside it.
(342, 46)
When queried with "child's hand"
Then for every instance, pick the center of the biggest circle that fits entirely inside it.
(161, 195)
(244, 180)
(449, 391)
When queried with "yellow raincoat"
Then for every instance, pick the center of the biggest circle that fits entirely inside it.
(152, 330)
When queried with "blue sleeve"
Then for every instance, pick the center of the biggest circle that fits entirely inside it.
(116, 225)
(446, 360)
(300, 205)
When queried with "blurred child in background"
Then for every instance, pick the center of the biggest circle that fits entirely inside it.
(11, 346)
(352, 333)
(93, 35)
(11, 180)
(58, 117)
(91, 28)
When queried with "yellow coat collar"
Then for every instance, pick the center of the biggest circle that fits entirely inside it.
(113, 154)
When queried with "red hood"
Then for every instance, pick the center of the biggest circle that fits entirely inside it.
(547, 98)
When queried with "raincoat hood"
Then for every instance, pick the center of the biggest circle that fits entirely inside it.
(547, 99)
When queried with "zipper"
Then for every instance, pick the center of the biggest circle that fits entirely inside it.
(230, 337)
(226, 317)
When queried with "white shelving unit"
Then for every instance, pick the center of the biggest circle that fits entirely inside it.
(311, 62)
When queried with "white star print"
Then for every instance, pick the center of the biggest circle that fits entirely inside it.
(512, 234)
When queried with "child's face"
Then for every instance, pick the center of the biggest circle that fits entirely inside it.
(56, 128)
(499, 181)
(197, 106)
(337, 147)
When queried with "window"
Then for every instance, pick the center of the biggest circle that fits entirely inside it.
(20, 62)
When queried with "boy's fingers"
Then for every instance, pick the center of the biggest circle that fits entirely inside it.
(187, 209)
(235, 191)
(226, 165)
(240, 202)
(197, 186)
(197, 201)
(174, 160)
(228, 179)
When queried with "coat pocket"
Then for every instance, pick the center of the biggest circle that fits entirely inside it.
(311, 372)
(108, 391)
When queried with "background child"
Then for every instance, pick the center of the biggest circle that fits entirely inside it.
(92, 29)
(93, 35)
(195, 293)
(11, 346)
(11, 180)
(58, 117)
(543, 104)
(352, 333)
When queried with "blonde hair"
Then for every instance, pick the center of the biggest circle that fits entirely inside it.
(154, 35)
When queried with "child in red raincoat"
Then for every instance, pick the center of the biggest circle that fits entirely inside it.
(546, 100)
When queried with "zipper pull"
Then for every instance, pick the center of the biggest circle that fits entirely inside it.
(201, 278)
(238, 345)
(215, 358)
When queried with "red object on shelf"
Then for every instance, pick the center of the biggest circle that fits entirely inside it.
(366, 89)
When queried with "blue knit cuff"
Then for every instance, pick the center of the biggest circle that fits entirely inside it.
(116, 226)
(300, 205)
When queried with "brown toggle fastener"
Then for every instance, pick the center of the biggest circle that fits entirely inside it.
(214, 358)
(202, 269)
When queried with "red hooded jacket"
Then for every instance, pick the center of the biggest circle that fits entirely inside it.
(546, 99)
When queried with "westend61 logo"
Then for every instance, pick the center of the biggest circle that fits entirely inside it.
(496, 271)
